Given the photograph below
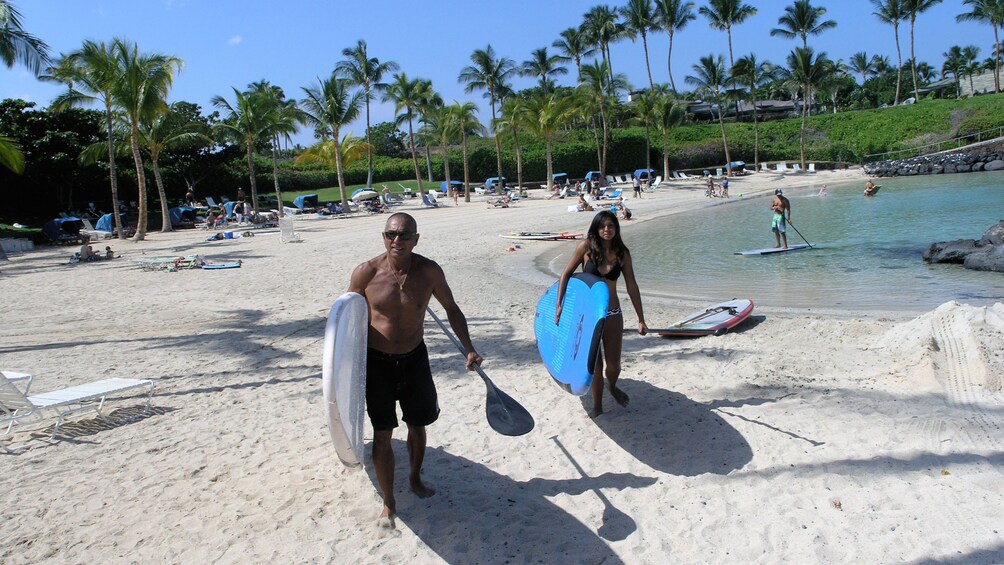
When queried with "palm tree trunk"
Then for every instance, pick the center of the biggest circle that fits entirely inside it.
(648, 150)
(369, 145)
(467, 176)
(913, 61)
(669, 63)
(805, 110)
(725, 141)
(899, 66)
(254, 185)
(140, 183)
(112, 174)
(498, 144)
(596, 137)
(550, 164)
(428, 162)
(338, 169)
(275, 174)
(648, 67)
(165, 210)
(756, 133)
(519, 159)
(606, 140)
(997, 62)
(665, 155)
(414, 159)
(446, 167)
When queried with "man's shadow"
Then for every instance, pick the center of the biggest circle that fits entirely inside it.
(671, 433)
(480, 515)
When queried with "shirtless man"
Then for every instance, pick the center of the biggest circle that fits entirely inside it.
(779, 224)
(398, 285)
(869, 188)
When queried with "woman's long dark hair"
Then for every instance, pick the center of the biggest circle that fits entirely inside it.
(594, 246)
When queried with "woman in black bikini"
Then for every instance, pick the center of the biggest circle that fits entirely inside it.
(604, 254)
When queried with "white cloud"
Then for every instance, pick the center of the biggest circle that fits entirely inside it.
(235, 40)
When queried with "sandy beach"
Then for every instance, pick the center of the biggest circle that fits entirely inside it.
(802, 437)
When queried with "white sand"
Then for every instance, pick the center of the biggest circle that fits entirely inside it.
(801, 438)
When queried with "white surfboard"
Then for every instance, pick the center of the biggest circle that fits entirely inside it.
(344, 376)
(771, 250)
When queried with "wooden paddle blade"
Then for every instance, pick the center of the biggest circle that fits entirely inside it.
(505, 415)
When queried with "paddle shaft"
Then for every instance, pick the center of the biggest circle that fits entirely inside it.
(799, 233)
(708, 312)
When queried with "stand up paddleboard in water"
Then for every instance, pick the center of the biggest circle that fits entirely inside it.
(771, 250)
(713, 320)
(344, 376)
(569, 348)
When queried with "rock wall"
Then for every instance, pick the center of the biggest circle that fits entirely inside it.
(989, 157)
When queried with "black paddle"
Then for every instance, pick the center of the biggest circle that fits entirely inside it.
(800, 234)
(505, 415)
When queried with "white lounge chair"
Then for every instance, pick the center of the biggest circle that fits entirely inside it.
(782, 167)
(763, 167)
(95, 234)
(655, 183)
(16, 407)
(796, 168)
(812, 167)
(287, 234)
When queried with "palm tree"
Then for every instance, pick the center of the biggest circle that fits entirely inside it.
(18, 46)
(466, 121)
(282, 117)
(673, 16)
(165, 131)
(669, 114)
(90, 73)
(639, 19)
(955, 64)
(991, 12)
(602, 28)
(753, 73)
(599, 86)
(407, 95)
(513, 109)
(723, 14)
(802, 20)
(573, 46)
(246, 122)
(542, 65)
(543, 116)
(863, 65)
(913, 8)
(710, 78)
(892, 12)
(330, 152)
(331, 106)
(11, 156)
(646, 110)
(438, 122)
(365, 72)
(491, 74)
(806, 69)
(140, 91)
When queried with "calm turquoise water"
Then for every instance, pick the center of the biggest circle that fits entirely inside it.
(868, 250)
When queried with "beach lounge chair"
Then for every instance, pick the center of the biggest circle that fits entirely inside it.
(763, 167)
(812, 167)
(718, 172)
(16, 407)
(95, 234)
(796, 168)
(655, 183)
(782, 167)
(429, 201)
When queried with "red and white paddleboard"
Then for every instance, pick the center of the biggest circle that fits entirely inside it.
(713, 320)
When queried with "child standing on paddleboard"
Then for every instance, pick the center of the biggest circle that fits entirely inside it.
(604, 254)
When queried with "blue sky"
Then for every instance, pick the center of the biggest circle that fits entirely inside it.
(230, 43)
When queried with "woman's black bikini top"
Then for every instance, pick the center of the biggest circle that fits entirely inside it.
(612, 275)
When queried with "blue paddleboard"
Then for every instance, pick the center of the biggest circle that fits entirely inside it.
(569, 348)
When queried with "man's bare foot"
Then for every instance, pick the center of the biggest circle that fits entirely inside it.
(419, 488)
(620, 396)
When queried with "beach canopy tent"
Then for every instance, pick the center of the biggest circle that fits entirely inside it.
(106, 223)
(307, 201)
(454, 183)
(736, 166)
(560, 178)
(594, 175)
(643, 174)
(181, 216)
(490, 183)
(63, 230)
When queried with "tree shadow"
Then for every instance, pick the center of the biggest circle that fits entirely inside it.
(670, 432)
(478, 514)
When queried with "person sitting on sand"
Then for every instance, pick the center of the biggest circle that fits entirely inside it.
(398, 285)
(86, 252)
(583, 205)
(604, 254)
